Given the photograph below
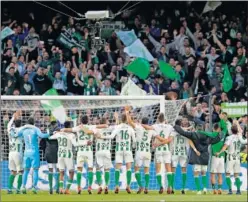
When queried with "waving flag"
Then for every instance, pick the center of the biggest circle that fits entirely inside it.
(227, 80)
(168, 70)
(55, 106)
(127, 37)
(138, 50)
(139, 67)
(6, 32)
(211, 6)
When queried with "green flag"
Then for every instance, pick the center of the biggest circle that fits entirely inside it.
(227, 79)
(139, 67)
(168, 70)
(54, 106)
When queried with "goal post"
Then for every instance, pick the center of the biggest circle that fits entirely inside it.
(94, 107)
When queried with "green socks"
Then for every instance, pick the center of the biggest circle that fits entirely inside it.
(57, 180)
(68, 186)
(172, 180)
(50, 180)
(106, 178)
(197, 183)
(117, 177)
(90, 178)
(79, 176)
(147, 179)
(219, 186)
(99, 177)
(184, 176)
(129, 177)
(159, 180)
(229, 183)
(19, 181)
(169, 179)
(238, 183)
(204, 181)
(138, 178)
(11, 181)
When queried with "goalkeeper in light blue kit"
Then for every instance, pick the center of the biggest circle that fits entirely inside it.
(31, 135)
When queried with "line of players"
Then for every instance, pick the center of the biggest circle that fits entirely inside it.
(171, 149)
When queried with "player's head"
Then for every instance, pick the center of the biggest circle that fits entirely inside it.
(144, 120)
(216, 127)
(84, 119)
(103, 120)
(31, 120)
(234, 129)
(67, 124)
(223, 115)
(161, 118)
(185, 122)
(124, 118)
(18, 123)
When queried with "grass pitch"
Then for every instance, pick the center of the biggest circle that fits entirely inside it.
(123, 196)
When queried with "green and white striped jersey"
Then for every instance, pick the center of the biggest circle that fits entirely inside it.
(82, 137)
(164, 131)
(124, 136)
(180, 145)
(104, 144)
(15, 143)
(234, 143)
(65, 144)
(143, 138)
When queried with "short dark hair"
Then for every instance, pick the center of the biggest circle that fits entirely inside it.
(67, 124)
(103, 120)
(234, 129)
(18, 123)
(31, 120)
(124, 118)
(144, 120)
(90, 77)
(216, 126)
(84, 119)
(161, 117)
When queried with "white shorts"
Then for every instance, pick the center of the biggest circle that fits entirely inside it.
(217, 165)
(232, 164)
(65, 163)
(143, 159)
(85, 157)
(53, 166)
(103, 159)
(15, 161)
(123, 156)
(181, 160)
(162, 157)
(200, 168)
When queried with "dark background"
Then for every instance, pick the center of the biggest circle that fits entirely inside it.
(20, 10)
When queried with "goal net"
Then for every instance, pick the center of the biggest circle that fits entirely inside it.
(95, 107)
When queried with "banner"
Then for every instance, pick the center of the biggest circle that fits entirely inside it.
(235, 109)
(138, 50)
(190, 184)
(127, 37)
(6, 32)
(68, 41)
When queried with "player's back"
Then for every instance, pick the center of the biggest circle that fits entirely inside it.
(104, 144)
(15, 143)
(143, 138)
(124, 134)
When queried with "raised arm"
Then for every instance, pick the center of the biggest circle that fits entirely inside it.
(214, 140)
(243, 141)
(189, 135)
(10, 124)
(129, 119)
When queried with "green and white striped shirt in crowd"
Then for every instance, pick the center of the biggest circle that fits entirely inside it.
(125, 136)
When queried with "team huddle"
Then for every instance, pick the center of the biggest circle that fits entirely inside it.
(180, 144)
